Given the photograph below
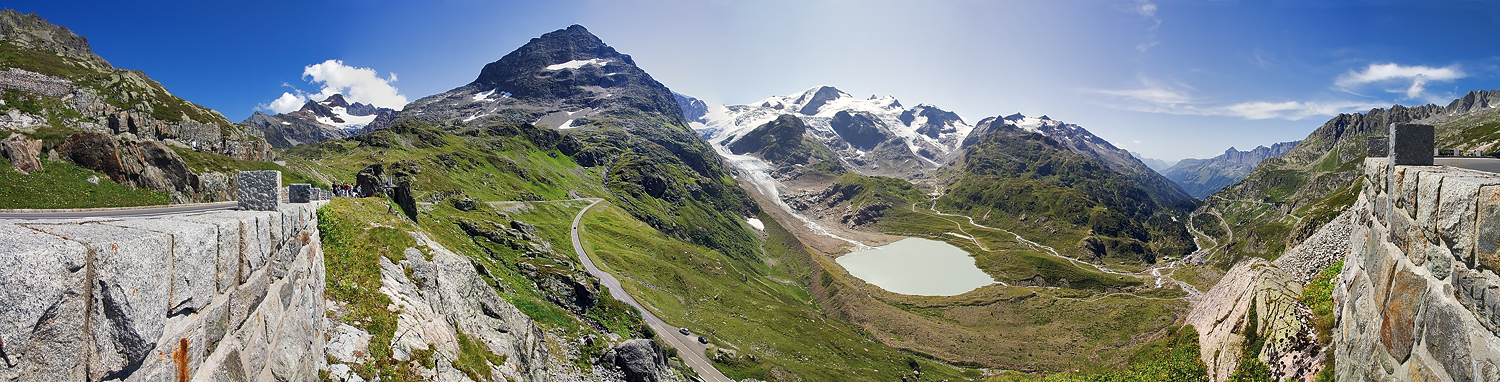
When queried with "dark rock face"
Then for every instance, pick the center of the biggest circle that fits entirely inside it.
(818, 99)
(776, 141)
(371, 180)
(860, 129)
(642, 360)
(692, 108)
(573, 291)
(23, 153)
(403, 197)
(94, 151)
(938, 120)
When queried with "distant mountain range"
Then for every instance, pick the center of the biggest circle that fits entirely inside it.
(318, 121)
(1010, 169)
(1203, 177)
(1155, 164)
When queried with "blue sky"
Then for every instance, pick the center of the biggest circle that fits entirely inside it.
(1169, 79)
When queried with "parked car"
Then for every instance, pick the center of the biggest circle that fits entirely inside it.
(685, 331)
(703, 340)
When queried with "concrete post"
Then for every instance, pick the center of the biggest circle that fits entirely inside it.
(1377, 147)
(299, 193)
(1411, 144)
(259, 190)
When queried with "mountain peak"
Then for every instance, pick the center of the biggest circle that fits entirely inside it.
(1014, 117)
(336, 100)
(556, 50)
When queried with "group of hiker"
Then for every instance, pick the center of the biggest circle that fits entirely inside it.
(347, 190)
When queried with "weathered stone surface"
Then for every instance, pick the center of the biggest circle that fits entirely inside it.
(223, 366)
(181, 340)
(1411, 144)
(348, 344)
(1377, 147)
(1446, 339)
(258, 190)
(246, 298)
(1479, 292)
(1429, 186)
(1401, 231)
(256, 242)
(42, 318)
(1439, 261)
(640, 359)
(1457, 212)
(1487, 236)
(299, 193)
(194, 250)
(1222, 313)
(1398, 319)
(216, 321)
(130, 292)
(23, 153)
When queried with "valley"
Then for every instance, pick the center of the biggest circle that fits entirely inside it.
(564, 215)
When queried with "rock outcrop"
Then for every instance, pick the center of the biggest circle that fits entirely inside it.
(1223, 315)
(22, 152)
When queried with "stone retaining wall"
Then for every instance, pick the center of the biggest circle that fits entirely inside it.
(218, 296)
(1419, 298)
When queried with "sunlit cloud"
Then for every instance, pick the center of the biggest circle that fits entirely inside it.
(1156, 97)
(1410, 81)
(356, 84)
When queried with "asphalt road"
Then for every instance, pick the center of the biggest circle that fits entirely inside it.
(116, 212)
(1481, 164)
(687, 346)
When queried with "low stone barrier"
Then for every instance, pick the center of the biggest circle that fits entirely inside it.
(1419, 298)
(218, 296)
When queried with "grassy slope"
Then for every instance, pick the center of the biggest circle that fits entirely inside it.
(64, 185)
(758, 309)
(1018, 328)
(782, 301)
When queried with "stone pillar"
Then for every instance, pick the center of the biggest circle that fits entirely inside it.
(258, 190)
(299, 193)
(1411, 144)
(1377, 147)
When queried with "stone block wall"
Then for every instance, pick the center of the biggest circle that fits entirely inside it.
(217, 296)
(1419, 297)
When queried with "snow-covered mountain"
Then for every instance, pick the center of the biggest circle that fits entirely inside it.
(875, 135)
(318, 121)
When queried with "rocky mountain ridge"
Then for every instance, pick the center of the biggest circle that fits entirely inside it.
(318, 121)
(71, 105)
(1203, 177)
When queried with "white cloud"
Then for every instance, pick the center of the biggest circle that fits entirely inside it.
(287, 103)
(1289, 110)
(356, 84)
(1412, 80)
(1150, 92)
(1154, 97)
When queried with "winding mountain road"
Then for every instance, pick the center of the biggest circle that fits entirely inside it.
(687, 346)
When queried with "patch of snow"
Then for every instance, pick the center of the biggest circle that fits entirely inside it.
(484, 95)
(755, 222)
(351, 122)
(567, 125)
(575, 64)
(285, 123)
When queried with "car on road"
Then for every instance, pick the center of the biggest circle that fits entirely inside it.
(703, 340)
(685, 331)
